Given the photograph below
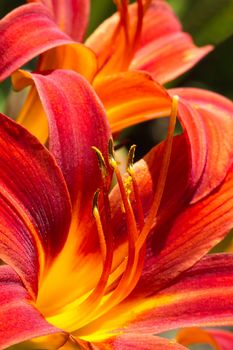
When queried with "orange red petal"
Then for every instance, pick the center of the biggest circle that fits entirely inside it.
(131, 98)
(202, 296)
(208, 120)
(186, 231)
(71, 15)
(19, 318)
(35, 205)
(140, 342)
(26, 32)
(168, 57)
(77, 122)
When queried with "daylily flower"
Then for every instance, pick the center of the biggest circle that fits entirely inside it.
(109, 272)
(144, 37)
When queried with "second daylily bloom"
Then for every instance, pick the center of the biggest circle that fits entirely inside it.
(145, 36)
(94, 274)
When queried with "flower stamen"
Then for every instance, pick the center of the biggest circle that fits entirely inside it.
(131, 222)
(87, 308)
(99, 226)
(138, 30)
(131, 172)
(122, 6)
(130, 269)
(162, 175)
(151, 218)
(101, 161)
(127, 274)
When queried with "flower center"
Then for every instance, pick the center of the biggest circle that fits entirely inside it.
(116, 281)
(115, 285)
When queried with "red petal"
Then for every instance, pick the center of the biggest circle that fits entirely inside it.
(140, 342)
(25, 33)
(165, 51)
(77, 121)
(209, 125)
(35, 207)
(169, 57)
(19, 319)
(71, 15)
(185, 232)
(201, 296)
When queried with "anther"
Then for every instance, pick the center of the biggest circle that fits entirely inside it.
(111, 154)
(101, 161)
(130, 159)
(99, 226)
(162, 176)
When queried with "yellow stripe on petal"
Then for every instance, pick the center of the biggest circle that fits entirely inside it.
(114, 322)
